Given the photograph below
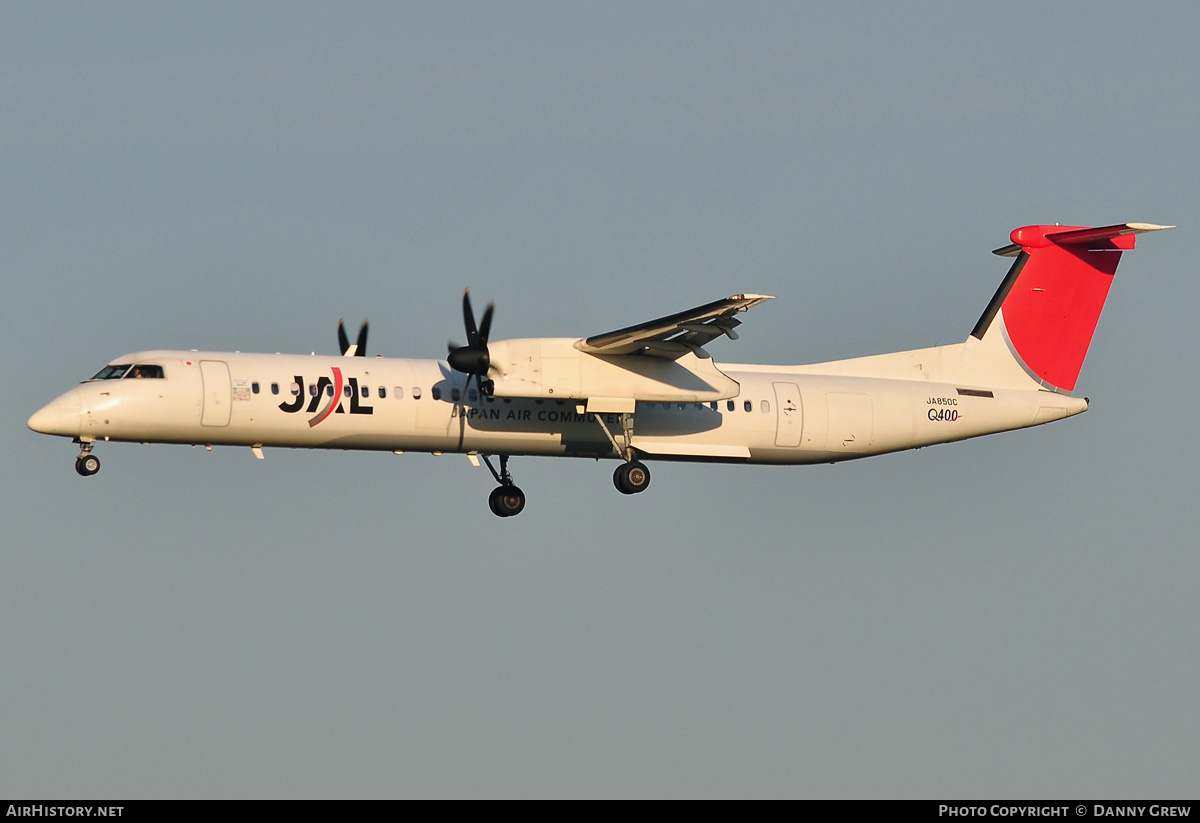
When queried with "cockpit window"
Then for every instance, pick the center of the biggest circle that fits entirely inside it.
(128, 371)
(145, 370)
(112, 372)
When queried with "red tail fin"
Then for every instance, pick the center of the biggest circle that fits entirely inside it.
(1052, 297)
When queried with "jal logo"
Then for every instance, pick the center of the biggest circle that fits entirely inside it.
(326, 397)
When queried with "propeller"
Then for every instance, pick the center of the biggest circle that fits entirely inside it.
(360, 346)
(472, 359)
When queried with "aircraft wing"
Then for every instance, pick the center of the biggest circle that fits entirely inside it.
(675, 334)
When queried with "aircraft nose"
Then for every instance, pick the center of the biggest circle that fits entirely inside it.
(44, 420)
(60, 416)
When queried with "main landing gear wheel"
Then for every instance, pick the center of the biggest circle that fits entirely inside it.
(506, 501)
(87, 465)
(632, 477)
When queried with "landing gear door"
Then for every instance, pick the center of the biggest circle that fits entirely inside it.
(217, 393)
(789, 423)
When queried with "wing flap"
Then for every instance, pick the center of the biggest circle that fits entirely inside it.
(675, 334)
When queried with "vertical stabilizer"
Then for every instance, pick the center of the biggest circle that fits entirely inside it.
(1046, 310)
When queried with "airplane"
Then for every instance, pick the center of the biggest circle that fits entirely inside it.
(638, 394)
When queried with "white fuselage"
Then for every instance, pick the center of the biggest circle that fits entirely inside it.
(780, 414)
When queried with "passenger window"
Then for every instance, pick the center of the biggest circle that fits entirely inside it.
(729, 405)
(312, 389)
(274, 388)
(748, 406)
(472, 395)
(383, 392)
(329, 390)
(437, 393)
(416, 393)
(295, 390)
(455, 395)
(346, 391)
(366, 391)
(766, 406)
(713, 405)
(254, 387)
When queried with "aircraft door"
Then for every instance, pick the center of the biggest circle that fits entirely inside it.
(789, 422)
(217, 393)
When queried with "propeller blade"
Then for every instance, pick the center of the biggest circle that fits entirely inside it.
(472, 358)
(486, 325)
(343, 340)
(361, 351)
(469, 320)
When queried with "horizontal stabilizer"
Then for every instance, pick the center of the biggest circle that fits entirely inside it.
(1104, 237)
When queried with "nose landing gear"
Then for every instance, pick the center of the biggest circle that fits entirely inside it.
(86, 464)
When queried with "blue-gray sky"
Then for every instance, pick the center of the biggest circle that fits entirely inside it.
(1013, 616)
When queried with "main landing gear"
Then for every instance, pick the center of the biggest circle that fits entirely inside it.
(86, 464)
(632, 476)
(506, 500)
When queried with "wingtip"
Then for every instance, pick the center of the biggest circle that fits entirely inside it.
(1141, 227)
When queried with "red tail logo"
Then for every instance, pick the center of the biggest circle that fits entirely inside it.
(1052, 297)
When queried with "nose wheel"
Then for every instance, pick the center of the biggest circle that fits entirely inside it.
(632, 477)
(86, 464)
